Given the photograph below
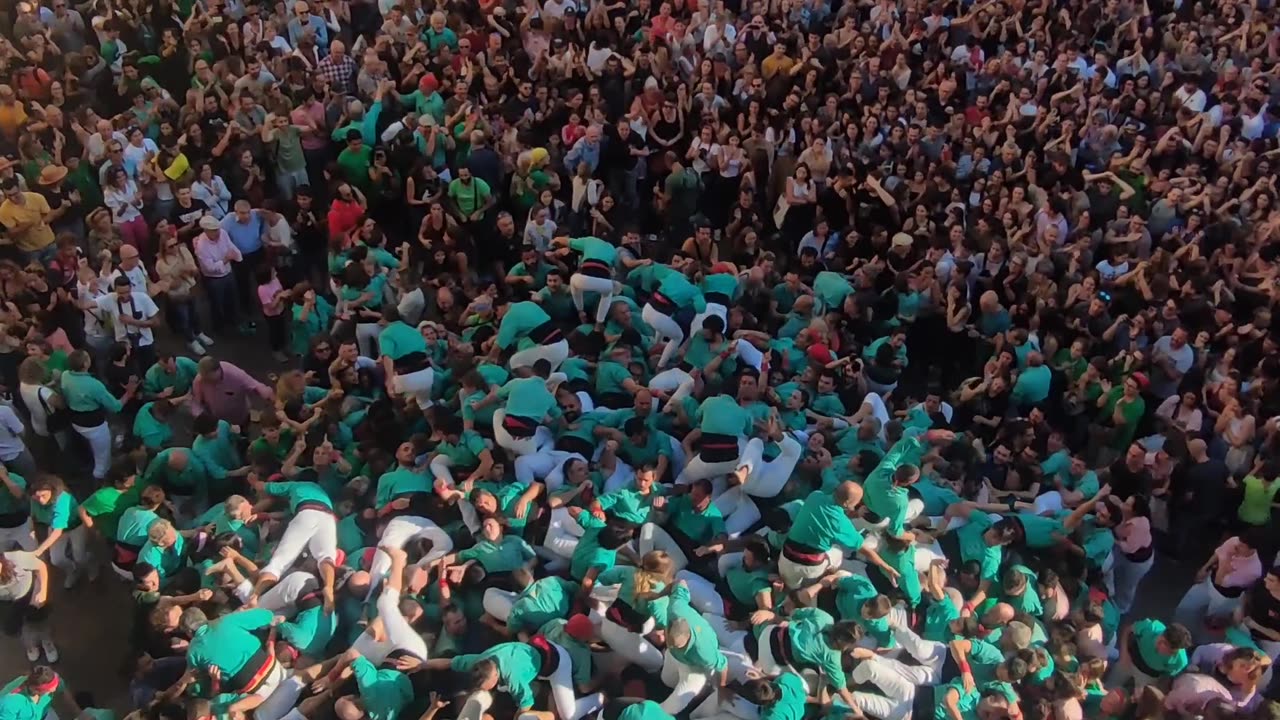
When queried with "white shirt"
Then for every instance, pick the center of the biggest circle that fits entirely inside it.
(280, 235)
(32, 395)
(139, 305)
(137, 277)
(93, 318)
(1109, 271)
(1193, 101)
(136, 155)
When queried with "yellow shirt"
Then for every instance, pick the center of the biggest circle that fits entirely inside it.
(38, 234)
(773, 65)
(11, 118)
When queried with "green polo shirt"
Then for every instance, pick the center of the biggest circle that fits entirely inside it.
(974, 548)
(299, 493)
(721, 415)
(385, 691)
(589, 554)
(60, 514)
(153, 433)
(529, 398)
(543, 601)
(703, 649)
(398, 339)
(518, 665)
(809, 645)
(505, 555)
(881, 495)
(229, 642)
(821, 524)
(133, 525)
(191, 478)
(700, 526)
(398, 482)
(181, 379)
(310, 631)
(593, 248)
(86, 393)
(465, 453)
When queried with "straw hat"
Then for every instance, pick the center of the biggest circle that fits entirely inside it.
(52, 174)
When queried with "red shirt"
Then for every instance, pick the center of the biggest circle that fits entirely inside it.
(343, 216)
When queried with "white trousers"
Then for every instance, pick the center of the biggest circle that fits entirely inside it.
(796, 576)
(675, 382)
(555, 353)
(367, 338)
(283, 700)
(632, 647)
(398, 634)
(685, 682)
(580, 285)
(400, 530)
(1201, 602)
(520, 446)
(417, 386)
(703, 595)
(498, 603)
(897, 693)
(99, 439)
(653, 537)
(22, 537)
(563, 534)
(282, 596)
(715, 309)
(665, 328)
(699, 469)
(313, 530)
(546, 464)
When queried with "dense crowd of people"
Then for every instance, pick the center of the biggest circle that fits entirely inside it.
(643, 360)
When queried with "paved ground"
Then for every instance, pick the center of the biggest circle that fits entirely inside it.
(91, 621)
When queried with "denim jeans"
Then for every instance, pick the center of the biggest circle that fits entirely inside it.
(183, 318)
(224, 307)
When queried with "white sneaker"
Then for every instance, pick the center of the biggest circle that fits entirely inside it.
(50, 652)
(196, 347)
(33, 654)
(204, 339)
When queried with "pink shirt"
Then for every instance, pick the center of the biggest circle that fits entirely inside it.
(228, 398)
(1133, 535)
(271, 307)
(211, 255)
(1235, 571)
(1191, 692)
(304, 115)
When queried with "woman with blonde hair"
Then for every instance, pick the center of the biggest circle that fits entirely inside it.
(43, 403)
(633, 598)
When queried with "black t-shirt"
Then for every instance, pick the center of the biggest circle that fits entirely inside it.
(834, 208)
(182, 216)
(1264, 608)
(1126, 483)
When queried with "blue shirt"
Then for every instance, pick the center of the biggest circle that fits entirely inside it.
(247, 237)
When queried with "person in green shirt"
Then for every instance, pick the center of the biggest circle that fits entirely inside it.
(594, 274)
(227, 655)
(64, 525)
(979, 541)
(170, 378)
(821, 533)
(152, 425)
(28, 697)
(539, 601)
(313, 527)
(1150, 651)
(690, 521)
(355, 160)
(494, 552)
(1033, 383)
(1120, 409)
(107, 503)
(1259, 493)
(89, 403)
(469, 197)
(462, 453)
(886, 488)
